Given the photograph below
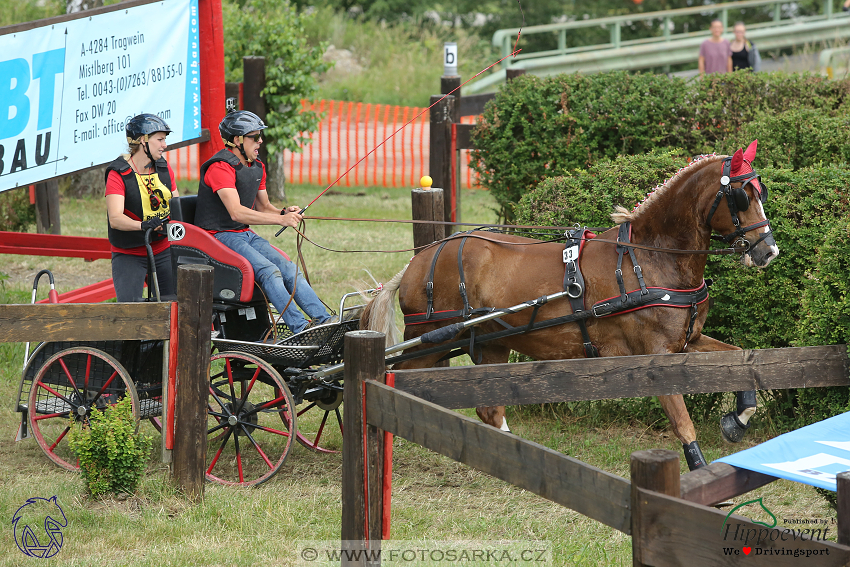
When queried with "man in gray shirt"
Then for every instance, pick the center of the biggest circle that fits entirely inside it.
(715, 53)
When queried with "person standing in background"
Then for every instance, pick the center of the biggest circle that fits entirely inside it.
(715, 53)
(745, 55)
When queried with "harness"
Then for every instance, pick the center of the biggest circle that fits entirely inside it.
(738, 200)
(627, 301)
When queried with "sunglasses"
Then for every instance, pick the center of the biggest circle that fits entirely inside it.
(255, 137)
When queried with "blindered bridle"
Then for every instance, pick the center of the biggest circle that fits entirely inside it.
(738, 200)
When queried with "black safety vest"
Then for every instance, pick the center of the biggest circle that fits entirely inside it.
(133, 203)
(211, 214)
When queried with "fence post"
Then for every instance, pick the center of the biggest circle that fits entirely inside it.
(427, 204)
(843, 481)
(254, 81)
(657, 470)
(512, 74)
(440, 156)
(194, 314)
(362, 449)
(47, 207)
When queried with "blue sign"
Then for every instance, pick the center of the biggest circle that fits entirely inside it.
(67, 90)
(812, 455)
(38, 527)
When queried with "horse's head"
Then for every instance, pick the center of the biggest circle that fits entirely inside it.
(737, 214)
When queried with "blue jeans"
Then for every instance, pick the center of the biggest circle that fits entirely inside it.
(276, 275)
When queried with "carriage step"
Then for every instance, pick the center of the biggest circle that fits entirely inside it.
(147, 408)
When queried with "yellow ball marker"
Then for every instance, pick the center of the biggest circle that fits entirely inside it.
(426, 182)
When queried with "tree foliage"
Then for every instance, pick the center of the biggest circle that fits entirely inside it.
(275, 30)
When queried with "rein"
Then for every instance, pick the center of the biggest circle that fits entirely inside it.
(715, 252)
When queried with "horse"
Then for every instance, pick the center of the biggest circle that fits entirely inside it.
(714, 194)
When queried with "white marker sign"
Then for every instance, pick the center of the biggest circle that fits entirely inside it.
(67, 90)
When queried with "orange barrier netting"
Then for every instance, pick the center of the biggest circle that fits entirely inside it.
(400, 162)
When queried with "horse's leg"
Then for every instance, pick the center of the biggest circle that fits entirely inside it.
(683, 428)
(494, 415)
(734, 424)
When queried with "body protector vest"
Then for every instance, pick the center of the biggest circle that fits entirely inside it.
(142, 201)
(211, 214)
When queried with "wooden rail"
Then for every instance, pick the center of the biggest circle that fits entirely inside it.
(628, 376)
(665, 513)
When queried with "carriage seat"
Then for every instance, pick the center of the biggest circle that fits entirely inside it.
(183, 208)
(233, 279)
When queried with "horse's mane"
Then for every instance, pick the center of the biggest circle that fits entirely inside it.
(621, 214)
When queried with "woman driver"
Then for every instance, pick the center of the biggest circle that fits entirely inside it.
(139, 186)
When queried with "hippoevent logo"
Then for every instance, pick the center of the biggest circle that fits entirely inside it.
(38, 527)
(768, 540)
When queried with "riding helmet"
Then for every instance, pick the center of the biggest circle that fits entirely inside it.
(145, 125)
(239, 123)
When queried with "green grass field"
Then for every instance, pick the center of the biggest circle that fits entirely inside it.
(434, 498)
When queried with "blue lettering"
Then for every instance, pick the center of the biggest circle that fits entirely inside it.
(45, 67)
(17, 71)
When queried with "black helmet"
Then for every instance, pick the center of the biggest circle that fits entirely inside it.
(239, 123)
(145, 125)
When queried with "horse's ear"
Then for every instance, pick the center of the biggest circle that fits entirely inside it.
(737, 162)
(750, 152)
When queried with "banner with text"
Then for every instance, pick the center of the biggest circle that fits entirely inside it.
(67, 90)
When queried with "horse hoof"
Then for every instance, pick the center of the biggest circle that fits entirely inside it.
(732, 429)
(694, 456)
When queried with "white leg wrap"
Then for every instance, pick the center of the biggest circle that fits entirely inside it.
(745, 415)
(505, 425)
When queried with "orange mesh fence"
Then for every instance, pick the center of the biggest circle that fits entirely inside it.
(347, 132)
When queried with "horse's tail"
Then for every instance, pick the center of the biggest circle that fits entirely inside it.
(379, 314)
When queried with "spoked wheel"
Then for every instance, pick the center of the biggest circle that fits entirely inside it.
(248, 399)
(72, 384)
(320, 422)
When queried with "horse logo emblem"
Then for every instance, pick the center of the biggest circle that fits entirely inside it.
(35, 513)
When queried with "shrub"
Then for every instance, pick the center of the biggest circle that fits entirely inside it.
(111, 452)
(538, 128)
(795, 139)
(16, 212)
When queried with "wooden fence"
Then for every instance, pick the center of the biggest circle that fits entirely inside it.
(668, 516)
(185, 322)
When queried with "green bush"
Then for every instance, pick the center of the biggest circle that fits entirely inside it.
(111, 451)
(795, 139)
(16, 212)
(539, 128)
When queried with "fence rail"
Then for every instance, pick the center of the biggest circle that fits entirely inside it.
(347, 132)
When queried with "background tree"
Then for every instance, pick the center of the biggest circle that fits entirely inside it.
(275, 30)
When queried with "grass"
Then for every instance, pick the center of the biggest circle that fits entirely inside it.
(434, 499)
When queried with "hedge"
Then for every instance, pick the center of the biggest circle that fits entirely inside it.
(801, 298)
(542, 127)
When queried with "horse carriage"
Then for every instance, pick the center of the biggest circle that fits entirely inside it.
(640, 291)
(262, 394)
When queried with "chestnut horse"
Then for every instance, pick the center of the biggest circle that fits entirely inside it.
(502, 270)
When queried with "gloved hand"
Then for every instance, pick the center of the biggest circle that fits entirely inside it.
(153, 222)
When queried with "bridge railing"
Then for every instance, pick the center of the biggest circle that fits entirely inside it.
(503, 39)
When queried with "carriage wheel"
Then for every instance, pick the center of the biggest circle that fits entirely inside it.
(72, 384)
(245, 443)
(320, 423)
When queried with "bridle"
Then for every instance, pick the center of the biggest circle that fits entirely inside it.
(738, 200)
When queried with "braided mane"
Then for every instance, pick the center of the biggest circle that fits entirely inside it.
(621, 214)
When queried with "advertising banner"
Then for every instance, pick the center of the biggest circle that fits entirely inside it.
(68, 89)
(811, 455)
